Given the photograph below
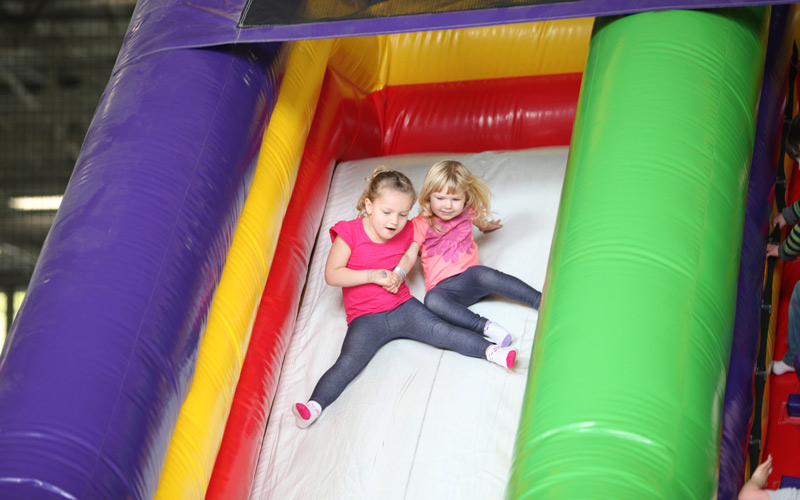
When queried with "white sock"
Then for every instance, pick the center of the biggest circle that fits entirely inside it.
(306, 414)
(497, 334)
(779, 367)
(503, 356)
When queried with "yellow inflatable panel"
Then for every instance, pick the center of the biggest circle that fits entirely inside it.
(541, 48)
(201, 423)
(357, 61)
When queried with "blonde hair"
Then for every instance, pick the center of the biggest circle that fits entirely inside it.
(382, 178)
(450, 176)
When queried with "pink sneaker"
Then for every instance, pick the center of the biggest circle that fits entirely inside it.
(503, 356)
(305, 415)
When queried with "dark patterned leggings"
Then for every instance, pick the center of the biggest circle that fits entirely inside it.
(366, 334)
(451, 298)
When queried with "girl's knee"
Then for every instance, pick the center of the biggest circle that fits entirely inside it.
(484, 275)
(430, 298)
(435, 300)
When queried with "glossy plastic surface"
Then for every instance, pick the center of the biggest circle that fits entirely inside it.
(624, 397)
(238, 454)
(158, 24)
(478, 115)
(101, 355)
(201, 424)
(103, 219)
(459, 55)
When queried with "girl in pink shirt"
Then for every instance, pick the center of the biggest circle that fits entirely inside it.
(378, 304)
(452, 200)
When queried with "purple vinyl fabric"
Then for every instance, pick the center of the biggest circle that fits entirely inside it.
(102, 352)
(738, 405)
(158, 24)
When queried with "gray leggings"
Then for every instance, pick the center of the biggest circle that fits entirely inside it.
(366, 334)
(450, 298)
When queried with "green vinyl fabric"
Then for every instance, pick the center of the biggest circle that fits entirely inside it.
(627, 377)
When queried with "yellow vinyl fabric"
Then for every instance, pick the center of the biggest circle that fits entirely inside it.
(542, 48)
(526, 49)
(201, 423)
(762, 413)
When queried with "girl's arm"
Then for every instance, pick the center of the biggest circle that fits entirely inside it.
(337, 273)
(488, 225)
(409, 258)
(754, 488)
(407, 261)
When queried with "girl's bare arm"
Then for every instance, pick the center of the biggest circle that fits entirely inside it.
(337, 273)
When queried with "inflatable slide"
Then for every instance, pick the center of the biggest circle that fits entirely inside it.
(178, 309)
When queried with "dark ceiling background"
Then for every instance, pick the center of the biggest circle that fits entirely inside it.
(56, 57)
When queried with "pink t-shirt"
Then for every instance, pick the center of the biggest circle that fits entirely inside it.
(370, 298)
(447, 252)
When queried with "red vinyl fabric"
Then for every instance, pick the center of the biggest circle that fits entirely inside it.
(478, 115)
(277, 312)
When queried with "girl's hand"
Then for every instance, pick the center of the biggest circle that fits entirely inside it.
(779, 220)
(491, 225)
(385, 278)
(762, 472)
(395, 288)
(772, 250)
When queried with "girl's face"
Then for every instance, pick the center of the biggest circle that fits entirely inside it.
(387, 214)
(447, 205)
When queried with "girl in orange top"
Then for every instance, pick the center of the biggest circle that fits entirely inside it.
(452, 201)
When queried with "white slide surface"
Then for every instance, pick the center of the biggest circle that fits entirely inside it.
(418, 422)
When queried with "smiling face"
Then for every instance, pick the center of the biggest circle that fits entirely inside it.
(447, 204)
(387, 214)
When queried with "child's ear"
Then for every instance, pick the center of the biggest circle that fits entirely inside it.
(368, 206)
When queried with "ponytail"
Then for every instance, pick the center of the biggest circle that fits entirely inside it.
(382, 178)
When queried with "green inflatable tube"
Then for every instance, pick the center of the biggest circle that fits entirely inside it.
(627, 377)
